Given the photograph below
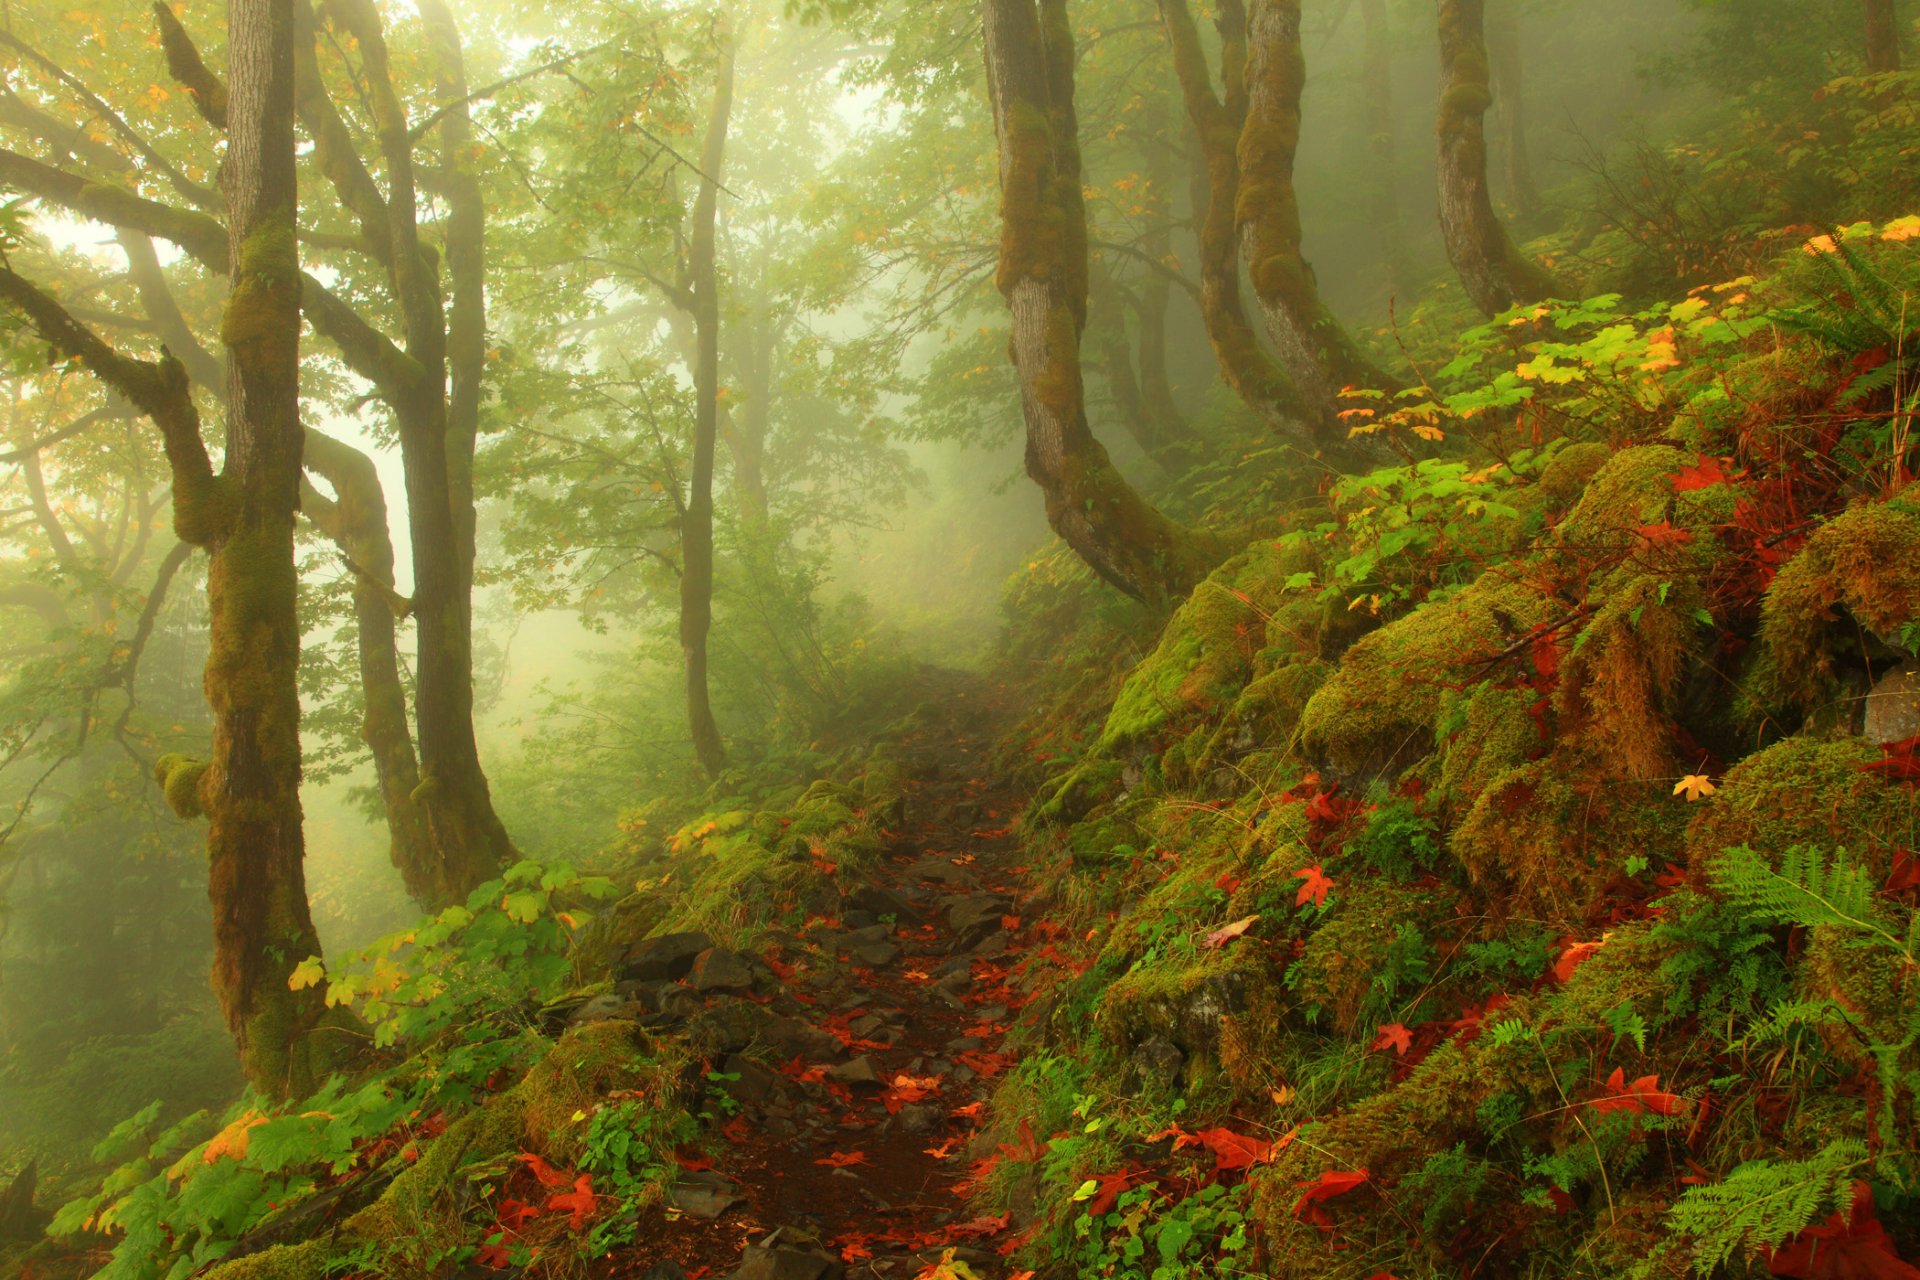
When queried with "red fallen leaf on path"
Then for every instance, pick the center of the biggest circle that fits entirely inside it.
(1227, 933)
(514, 1214)
(969, 1112)
(1107, 1189)
(1316, 886)
(546, 1173)
(579, 1201)
(944, 1150)
(907, 1089)
(1181, 1138)
(1009, 923)
(982, 1062)
(1848, 1246)
(1325, 808)
(979, 1228)
(692, 1164)
(1395, 1036)
(1638, 1098)
(494, 1256)
(843, 1159)
(1704, 474)
(736, 1129)
(1334, 1182)
(975, 1176)
(1234, 1150)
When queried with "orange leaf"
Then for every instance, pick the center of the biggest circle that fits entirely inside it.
(1315, 888)
(1234, 1150)
(579, 1201)
(548, 1175)
(843, 1159)
(1333, 1182)
(1394, 1036)
(1227, 933)
(1638, 1098)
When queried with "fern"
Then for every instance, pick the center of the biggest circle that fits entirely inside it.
(1764, 1203)
(1809, 889)
(1788, 1016)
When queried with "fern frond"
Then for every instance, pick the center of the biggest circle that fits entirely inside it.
(1809, 889)
(1764, 1203)
(1787, 1016)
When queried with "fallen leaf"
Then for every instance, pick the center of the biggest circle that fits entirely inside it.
(1234, 1150)
(843, 1159)
(1702, 475)
(546, 1173)
(1334, 1182)
(1394, 1036)
(579, 1201)
(1694, 786)
(1851, 1245)
(1227, 933)
(1315, 888)
(1638, 1098)
(1574, 956)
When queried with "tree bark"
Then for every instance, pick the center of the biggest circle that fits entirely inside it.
(1217, 120)
(1883, 36)
(1315, 350)
(1043, 276)
(1495, 274)
(1509, 94)
(696, 536)
(251, 789)
(356, 520)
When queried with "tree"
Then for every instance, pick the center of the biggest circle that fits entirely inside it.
(1508, 68)
(1376, 112)
(244, 517)
(696, 537)
(1495, 273)
(1883, 36)
(1043, 277)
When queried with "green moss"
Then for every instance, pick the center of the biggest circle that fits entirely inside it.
(179, 777)
(1490, 730)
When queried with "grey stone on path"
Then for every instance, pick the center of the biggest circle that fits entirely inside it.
(940, 871)
(878, 955)
(976, 916)
(861, 1070)
(878, 900)
(668, 1270)
(865, 937)
(669, 957)
(607, 1007)
(783, 1255)
(702, 1197)
(718, 970)
(1893, 706)
(920, 1117)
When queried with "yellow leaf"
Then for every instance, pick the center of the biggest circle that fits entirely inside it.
(1694, 786)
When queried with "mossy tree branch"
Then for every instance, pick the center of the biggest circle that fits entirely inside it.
(186, 66)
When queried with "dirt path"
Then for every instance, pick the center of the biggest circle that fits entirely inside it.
(858, 1083)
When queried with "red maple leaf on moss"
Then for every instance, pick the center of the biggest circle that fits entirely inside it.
(1704, 474)
(1663, 535)
(579, 1201)
(1334, 1182)
(1847, 1246)
(1394, 1036)
(1315, 886)
(1642, 1096)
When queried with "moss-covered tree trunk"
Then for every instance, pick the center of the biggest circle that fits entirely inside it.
(251, 789)
(696, 531)
(1043, 276)
(1317, 353)
(356, 520)
(1509, 69)
(1494, 272)
(1883, 36)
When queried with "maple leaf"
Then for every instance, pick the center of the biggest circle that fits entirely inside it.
(494, 1257)
(1227, 933)
(1638, 1098)
(1028, 1149)
(1234, 1150)
(1702, 475)
(1333, 1182)
(1103, 1192)
(579, 1201)
(1899, 762)
(843, 1159)
(515, 1214)
(1663, 535)
(1315, 888)
(980, 1228)
(1694, 786)
(232, 1140)
(1228, 883)
(1395, 1036)
(1848, 1246)
(1574, 956)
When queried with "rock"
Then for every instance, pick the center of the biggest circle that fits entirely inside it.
(669, 957)
(1893, 706)
(702, 1195)
(678, 1003)
(865, 937)
(668, 1270)
(783, 1255)
(858, 919)
(878, 900)
(997, 943)
(869, 1027)
(1158, 1062)
(791, 1038)
(878, 955)
(734, 1025)
(965, 1044)
(975, 916)
(20, 1219)
(720, 971)
(755, 1085)
(859, 1071)
(647, 993)
(940, 871)
(607, 1007)
(920, 1117)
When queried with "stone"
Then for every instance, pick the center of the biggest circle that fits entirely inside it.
(920, 1117)
(720, 971)
(878, 900)
(755, 1085)
(975, 916)
(733, 1026)
(869, 1027)
(997, 943)
(1893, 706)
(668, 1270)
(608, 1007)
(878, 955)
(702, 1196)
(1158, 1062)
(865, 937)
(783, 1254)
(668, 957)
(940, 871)
(857, 919)
(859, 1071)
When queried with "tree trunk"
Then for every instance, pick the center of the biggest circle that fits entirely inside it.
(1043, 276)
(251, 789)
(1509, 94)
(1167, 423)
(1494, 272)
(1316, 351)
(1883, 36)
(356, 521)
(696, 536)
(1382, 185)
(1217, 122)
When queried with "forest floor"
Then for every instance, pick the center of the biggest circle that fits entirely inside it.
(851, 1154)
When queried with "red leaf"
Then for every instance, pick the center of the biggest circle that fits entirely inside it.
(1333, 1182)
(979, 1228)
(692, 1164)
(1234, 1150)
(1573, 957)
(1899, 762)
(1394, 1036)
(1663, 535)
(1315, 888)
(1847, 1246)
(1702, 475)
(1028, 1149)
(514, 1214)
(1228, 883)
(494, 1257)
(843, 1159)
(579, 1201)
(548, 1175)
(1638, 1098)
(1109, 1189)
(1227, 933)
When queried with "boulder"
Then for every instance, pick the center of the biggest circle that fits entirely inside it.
(1893, 706)
(668, 957)
(976, 916)
(718, 971)
(859, 1071)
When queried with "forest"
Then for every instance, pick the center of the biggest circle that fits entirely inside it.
(961, 640)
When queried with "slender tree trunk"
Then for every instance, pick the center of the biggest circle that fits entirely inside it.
(1169, 424)
(1043, 276)
(696, 536)
(1382, 185)
(1883, 36)
(1509, 94)
(745, 431)
(251, 789)
(1316, 351)
(1495, 273)
(356, 520)
(1217, 120)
